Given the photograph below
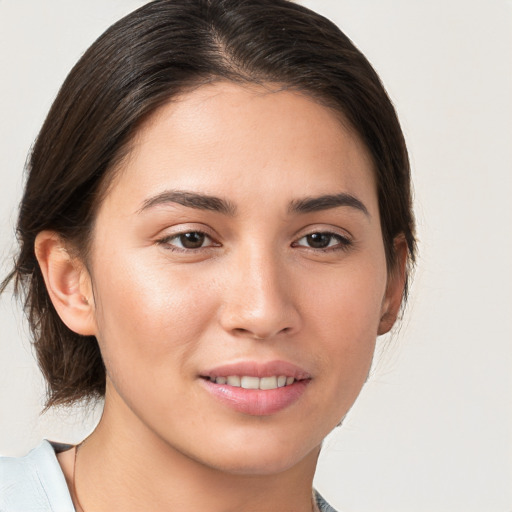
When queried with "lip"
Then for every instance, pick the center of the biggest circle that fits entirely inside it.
(256, 402)
(258, 369)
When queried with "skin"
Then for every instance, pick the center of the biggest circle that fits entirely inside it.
(256, 290)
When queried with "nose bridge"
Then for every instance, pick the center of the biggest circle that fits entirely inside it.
(258, 300)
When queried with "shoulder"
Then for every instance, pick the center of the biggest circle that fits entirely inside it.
(34, 482)
(323, 506)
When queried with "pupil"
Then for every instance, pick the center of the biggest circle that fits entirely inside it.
(319, 240)
(193, 240)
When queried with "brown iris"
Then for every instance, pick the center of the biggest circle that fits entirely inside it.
(192, 240)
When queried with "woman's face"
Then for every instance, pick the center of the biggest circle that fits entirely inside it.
(239, 245)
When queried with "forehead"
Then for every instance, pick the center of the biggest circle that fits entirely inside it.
(244, 139)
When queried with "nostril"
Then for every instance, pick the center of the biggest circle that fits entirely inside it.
(258, 336)
(247, 333)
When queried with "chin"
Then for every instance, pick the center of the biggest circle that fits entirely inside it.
(266, 460)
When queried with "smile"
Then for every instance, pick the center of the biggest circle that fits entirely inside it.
(257, 388)
(249, 382)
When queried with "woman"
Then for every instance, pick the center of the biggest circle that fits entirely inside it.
(216, 227)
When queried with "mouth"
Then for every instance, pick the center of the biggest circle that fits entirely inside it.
(250, 382)
(275, 373)
(257, 389)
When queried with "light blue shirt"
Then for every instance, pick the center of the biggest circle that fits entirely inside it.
(35, 483)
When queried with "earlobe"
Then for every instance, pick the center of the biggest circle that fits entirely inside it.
(395, 287)
(68, 283)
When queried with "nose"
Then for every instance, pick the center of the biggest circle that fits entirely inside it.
(260, 299)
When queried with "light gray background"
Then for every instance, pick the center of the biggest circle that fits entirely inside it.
(432, 430)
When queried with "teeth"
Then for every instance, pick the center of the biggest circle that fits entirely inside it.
(234, 380)
(248, 382)
(268, 383)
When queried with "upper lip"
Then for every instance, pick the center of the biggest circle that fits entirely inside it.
(258, 369)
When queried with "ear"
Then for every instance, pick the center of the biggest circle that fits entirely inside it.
(68, 283)
(394, 288)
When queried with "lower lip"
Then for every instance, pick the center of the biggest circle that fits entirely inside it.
(257, 402)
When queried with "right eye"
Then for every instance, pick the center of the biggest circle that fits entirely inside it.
(188, 240)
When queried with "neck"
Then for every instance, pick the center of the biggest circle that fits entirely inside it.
(131, 469)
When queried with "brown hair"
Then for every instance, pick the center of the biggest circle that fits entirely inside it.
(137, 65)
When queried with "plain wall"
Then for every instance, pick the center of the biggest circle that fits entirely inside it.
(432, 430)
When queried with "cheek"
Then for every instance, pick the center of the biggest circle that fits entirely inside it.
(344, 318)
(348, 302)
(147, 317)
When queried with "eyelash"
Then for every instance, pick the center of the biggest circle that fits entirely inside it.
(166, 241)
(344, 243)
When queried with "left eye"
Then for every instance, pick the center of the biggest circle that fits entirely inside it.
(188, 240)
(322, 240)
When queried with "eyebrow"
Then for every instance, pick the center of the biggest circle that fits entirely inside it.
(191, 200)
(316, 204)
(223, 206)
